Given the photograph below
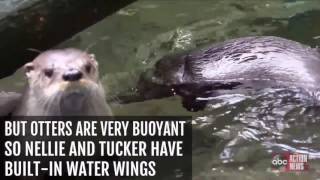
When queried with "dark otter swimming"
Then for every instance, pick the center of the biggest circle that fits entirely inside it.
(235, 65)
(63, 82)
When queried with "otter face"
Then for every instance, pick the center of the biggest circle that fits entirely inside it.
(63, 79)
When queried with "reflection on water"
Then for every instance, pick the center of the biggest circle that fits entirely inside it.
(7, 6)
(235, 136)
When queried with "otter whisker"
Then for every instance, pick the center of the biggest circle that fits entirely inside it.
(34, 50)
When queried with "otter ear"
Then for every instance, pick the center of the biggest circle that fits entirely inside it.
(93, 59)
(28, 68)
(92, 56)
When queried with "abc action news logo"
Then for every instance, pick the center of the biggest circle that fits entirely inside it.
(290, 162)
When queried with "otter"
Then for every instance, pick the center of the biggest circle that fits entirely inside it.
(234, 66)
(62, 82)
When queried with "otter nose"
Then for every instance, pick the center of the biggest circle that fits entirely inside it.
(72, 75)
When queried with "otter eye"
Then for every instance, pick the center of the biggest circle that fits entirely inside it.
(88, 68)
(48, 72)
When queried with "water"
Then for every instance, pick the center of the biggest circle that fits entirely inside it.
(235, 136)
(7, 6)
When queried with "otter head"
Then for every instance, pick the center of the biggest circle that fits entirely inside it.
(161, 81)
(64, 82)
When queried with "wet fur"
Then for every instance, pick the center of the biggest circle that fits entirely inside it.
(244, 63)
